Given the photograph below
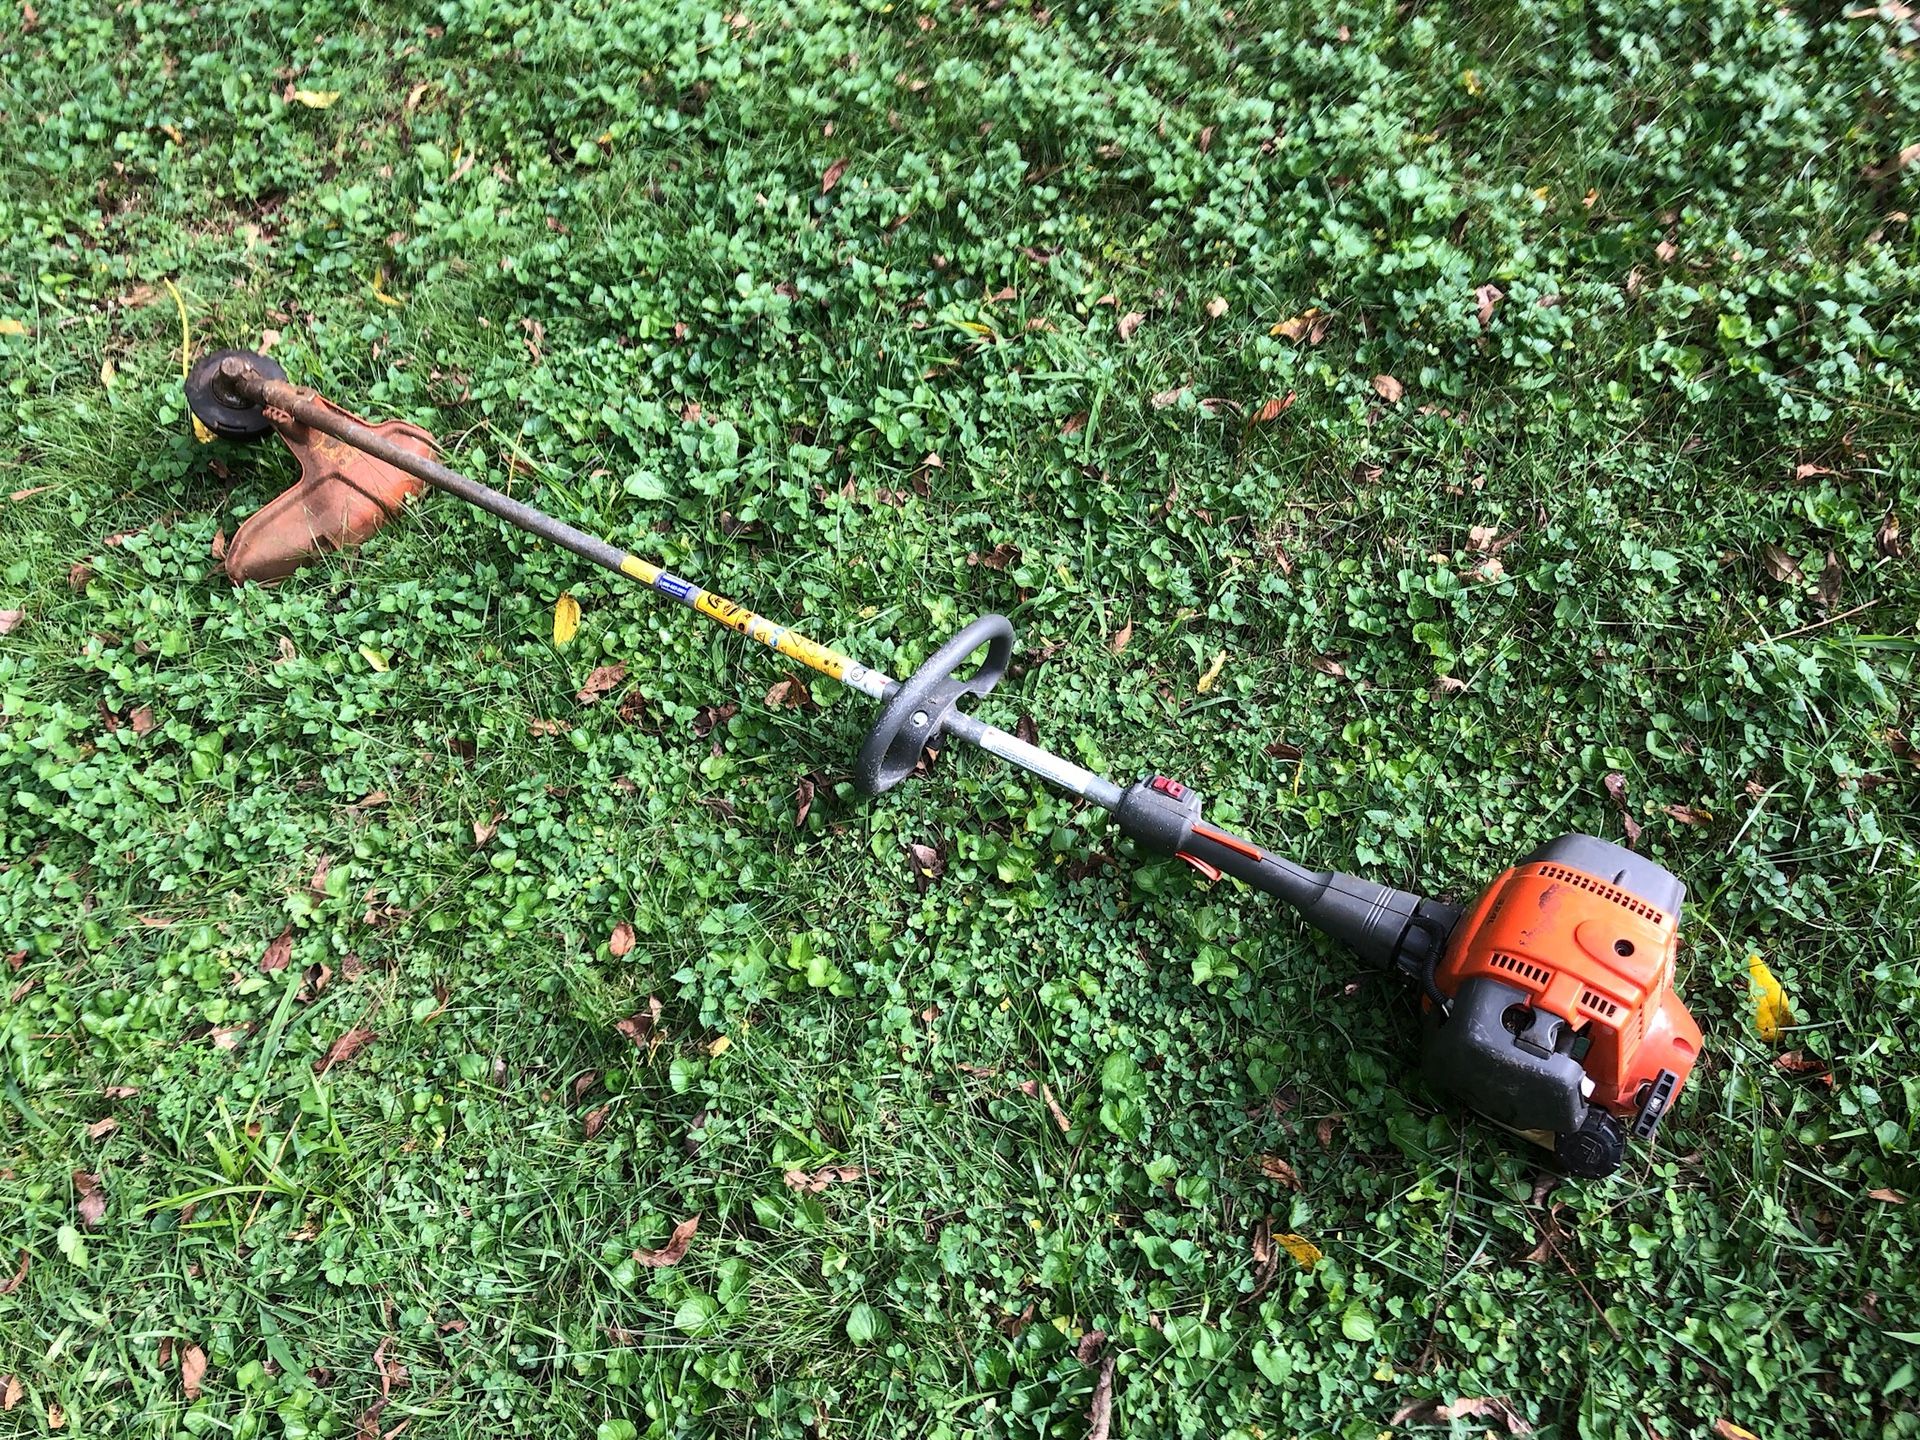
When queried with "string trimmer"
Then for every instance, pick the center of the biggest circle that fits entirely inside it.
(1548, 1004)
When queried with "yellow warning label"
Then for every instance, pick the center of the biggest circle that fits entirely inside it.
(813, 654)
(640, 570)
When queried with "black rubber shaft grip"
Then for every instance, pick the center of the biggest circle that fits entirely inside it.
(917, 711)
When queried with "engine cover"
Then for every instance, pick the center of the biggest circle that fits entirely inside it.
(1560, 980)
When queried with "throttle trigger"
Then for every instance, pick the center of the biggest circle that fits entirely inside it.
(1212, 872)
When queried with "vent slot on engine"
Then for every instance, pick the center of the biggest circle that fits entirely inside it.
(1605, 891)
(1535, 975)
(1599, 1006)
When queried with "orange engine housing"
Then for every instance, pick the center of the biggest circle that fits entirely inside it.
(1598, 956)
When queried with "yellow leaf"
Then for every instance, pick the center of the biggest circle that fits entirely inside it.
(11, 326)
(720, 1046)
(1471, 79)
(374, 658)
(108, 374)
(315, 99)
(1213, 673)
(566, 620)
(1770, 1008)
(1305, 1253)
(380, 289)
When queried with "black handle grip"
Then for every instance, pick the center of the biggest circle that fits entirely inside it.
(916, 712)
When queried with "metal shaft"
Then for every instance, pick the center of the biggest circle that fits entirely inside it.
(252, 388)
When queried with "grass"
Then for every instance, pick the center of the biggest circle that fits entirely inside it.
(549, 233)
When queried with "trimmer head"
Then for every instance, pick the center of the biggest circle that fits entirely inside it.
(218, 406)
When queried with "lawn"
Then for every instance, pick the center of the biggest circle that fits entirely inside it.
(1395, 421)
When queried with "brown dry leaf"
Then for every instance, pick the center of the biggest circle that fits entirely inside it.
(19, 1276)
(56, 1416)
(10, 620)
(640, 1026)
(93, 1198)
(1798, 1062)
(343, 1050)
(1282, 750)
(1780, 565)
(1890, 1197)
(596, 1121)
(1833, 575)
(928, 863)
(1278, 1170)
(603, 679)
(1121, 637)
(16, 1392)
(1273, 409)
(79, 573)
(834, 172)
(621, 942)
(998, 558)
(1025, 729)
(1074, 423)
(674, 1250)
(279, 950)
(1035, 1089)
(1485, 298)
(100, 1129)
(1887, 541)
(1665, 251)
(1388, 389)
(314, 981)
(788, 694)
(1090, 1346)
(228, 1037)
(803, 800)
(193, 1369)
(1100, 1412)
(1130, 322)
(1725, 1429)
(1161, 399)
(1906, 157)
(1687, 815)
(1807, 468)
(485, 830)
(813, 1182)
(1216, 307)
(711, 717)
(1327, 666)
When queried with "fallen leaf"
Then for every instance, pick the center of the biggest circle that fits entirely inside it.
(596, 1121)
(119, 1092)
(720, 1045)
(1074, 423)
(10, 620)
(56, 1415)
(603, 679)
(927, 862)
(814, 1181)
(1482, 537)
(1807, 468)
(1665, 251)
(545, 728)
(1121, 637)
(374, 659)
(640, 1026)
(1833, 575)
(674, 1250)
(1890, 1197)
(834, 172)
(1770, 1009)
(788, 694)
(1161, 399)
(193, 1370)
(314, 981)
(1309, 325)
(1887, 540)
(620, 943)
(1036, 1090)
(315, 99)
(19, 1277)
(1305, 1253)
(1273, 409)
(1687, 815)
(1205, 682)
(1798, 1062)
(11, 326)
(710, 717)
(1725, 1429)
(100, 1129)
(16, 1392)
(79, 573)
(566, 620)
(1278, 1170)
(1216, 307)
(1327, 666)
(1100, 1411)
(228, 1037)
(485, 830)
(1282, 750)
(1899, 162)
(343, 1050)
(803, 800)
(1388, 389)
(142, 720)
(1485, 299)
(1130, 322)
(279, 950)
(93, 1198)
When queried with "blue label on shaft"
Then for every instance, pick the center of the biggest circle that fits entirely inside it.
(681, 590)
